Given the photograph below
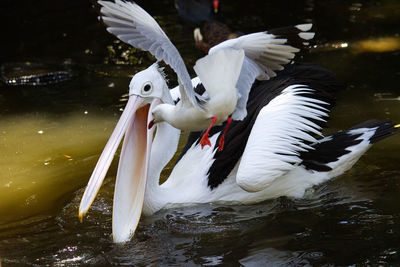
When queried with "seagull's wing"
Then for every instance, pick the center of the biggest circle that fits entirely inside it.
(271, 50)
(248, 74)
(133, 25)
(284, 128)
(266, 53)
(219, 73)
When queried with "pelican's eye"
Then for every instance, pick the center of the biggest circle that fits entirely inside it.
(147, 88)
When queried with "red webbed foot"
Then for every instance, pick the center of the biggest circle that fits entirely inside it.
(222, 138)
(205, 141)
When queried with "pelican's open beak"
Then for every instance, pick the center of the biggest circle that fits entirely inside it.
(132, 169)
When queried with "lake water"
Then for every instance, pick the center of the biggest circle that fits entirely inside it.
(52, 135)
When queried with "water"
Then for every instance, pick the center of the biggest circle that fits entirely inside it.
(52, 135)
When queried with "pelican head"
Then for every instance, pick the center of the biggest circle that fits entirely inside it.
(149, 84)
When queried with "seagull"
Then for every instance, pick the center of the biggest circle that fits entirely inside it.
(265, 53)
(277, 150)
(219, 73)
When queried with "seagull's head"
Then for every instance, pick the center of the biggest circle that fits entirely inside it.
(149, 84)
(163, 112)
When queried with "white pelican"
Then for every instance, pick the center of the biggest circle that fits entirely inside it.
(265, 54)
(273, 152)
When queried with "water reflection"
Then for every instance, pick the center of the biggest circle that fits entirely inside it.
(282, 231)
(44, 158)
(376, 45)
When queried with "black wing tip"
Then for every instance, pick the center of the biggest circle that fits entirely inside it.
(384, 129)
(337, 144)
(299, 36)
(329, 150)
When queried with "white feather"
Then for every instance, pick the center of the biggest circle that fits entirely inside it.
(277, 137)
(307, 35)
(246, 79)
(304, 27)
(256, 45)
(219, 73)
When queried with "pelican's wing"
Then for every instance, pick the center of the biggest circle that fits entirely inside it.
(266, 53)
(176, 94)
(284, 128)
(133, 25)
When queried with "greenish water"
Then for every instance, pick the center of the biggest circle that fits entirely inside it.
(52, 135)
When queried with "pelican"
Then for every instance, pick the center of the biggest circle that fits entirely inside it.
(277, 150)
(265, 53)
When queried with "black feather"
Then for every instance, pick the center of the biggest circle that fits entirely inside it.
(337, 144)
(291, 33)
(328, 151)
(384, 130)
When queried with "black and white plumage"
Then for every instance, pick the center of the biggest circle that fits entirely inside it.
(280, 94)
(342, 144)
(299, 100)
(265, 53)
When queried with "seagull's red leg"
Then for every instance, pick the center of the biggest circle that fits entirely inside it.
(204, 139)
(222, 138)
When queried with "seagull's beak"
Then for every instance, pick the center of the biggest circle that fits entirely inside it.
(132, 169)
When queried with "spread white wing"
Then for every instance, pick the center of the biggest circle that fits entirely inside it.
(282, 130)
(265, 54)
(219, 73)
(268, 51)
(133, 25)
